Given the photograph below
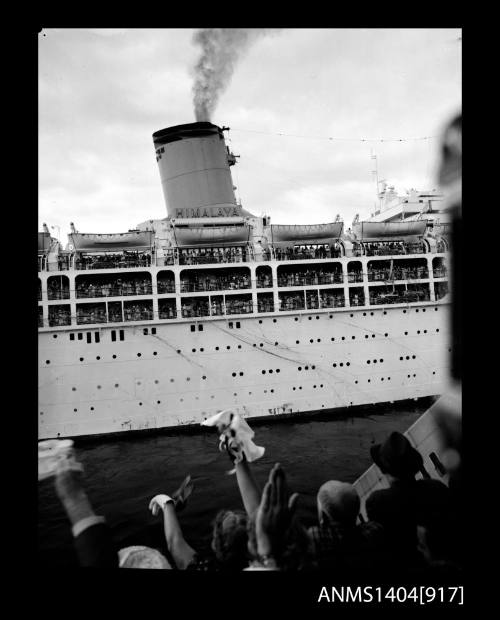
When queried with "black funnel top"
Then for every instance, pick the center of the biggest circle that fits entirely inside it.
(190, 130)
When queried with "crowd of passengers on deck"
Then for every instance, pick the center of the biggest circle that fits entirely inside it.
(398, 273)
(304, 252)
(126, 260)
(212, 282)
(310, 277)
(393, 248)
(199, 256)
(114, 287)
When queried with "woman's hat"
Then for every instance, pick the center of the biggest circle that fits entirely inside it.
(396, 456)
(142, 557)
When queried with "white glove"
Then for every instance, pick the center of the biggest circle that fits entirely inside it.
(158, 502)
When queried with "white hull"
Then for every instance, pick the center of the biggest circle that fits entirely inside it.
(162, 388)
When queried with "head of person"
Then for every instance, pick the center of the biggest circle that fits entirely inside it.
(337, 502)
(142, 557)
(230, 538)
(397, 458)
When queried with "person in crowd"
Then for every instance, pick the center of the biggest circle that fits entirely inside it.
(338, 543)
(406, 500)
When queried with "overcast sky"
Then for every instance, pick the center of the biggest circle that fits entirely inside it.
(102, 94)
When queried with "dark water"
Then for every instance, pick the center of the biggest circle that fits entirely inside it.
(122, 475)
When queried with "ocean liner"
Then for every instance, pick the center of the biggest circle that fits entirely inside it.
(213, 308)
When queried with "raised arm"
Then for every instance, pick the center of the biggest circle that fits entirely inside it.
(249, 490)
(179, 549)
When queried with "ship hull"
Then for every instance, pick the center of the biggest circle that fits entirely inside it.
(169, 375)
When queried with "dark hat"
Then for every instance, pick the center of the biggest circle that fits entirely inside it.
(396, 456)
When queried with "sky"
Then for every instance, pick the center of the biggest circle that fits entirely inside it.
(104, 92)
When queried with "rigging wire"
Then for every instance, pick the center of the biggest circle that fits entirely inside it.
(331, 138)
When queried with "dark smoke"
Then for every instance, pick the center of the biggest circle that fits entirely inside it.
(220, 50)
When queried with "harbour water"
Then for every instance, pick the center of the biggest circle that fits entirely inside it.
(122, 475)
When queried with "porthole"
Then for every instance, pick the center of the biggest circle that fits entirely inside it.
(98, 387)
(48, 361)
(356, 381)
(408, 376)
(433, 372)
(260, 321)
(311, 340)
(233, 374)
(117, 385)
(204, 377)
(188, 378)
(313, 367)
(81, 360)
(414, 375)
(414, 357)
(182, 400)
(318, 340)
(156, 381)
(306, 367)
(374, 361)
(74, 389)
(278, 370)
(139, 383)
(384, 312)
(367, 336)
(158, 402)
(235, 394)
(423, 309)
(239, 347)
(373, 335)
(98, 357)
(296, 318)
(332, 339)
(114, 357)
(172, 380)
(261, 345)
(331, 316)
(341, 364)
(416, 310)
(369, 380)
(275, 344)
(310, 318)
(386, 335)
(343, 337)
(314, 386)
(351, 315)
(437, 329)
(212, 396)
(263, 372)
(406, 333)
(404, 311)
(228, 347)
(241, 374)
(274, 320)
(436, 309)
(75, 409)
(193, 350)
(425, 331)
(272, 391)
(348, 363)
(364, 313)
(368, 362)
(293, 389)
(321, 385)
(155, 353)
(317, 318)
(297, 342)
(216, 348)
(334, 365)
(418, 331)
(54, 336)
(254, 344)
(382, 379)
(407, 357)
(353, 337)
(300, 387)
(381, 360)
(92, 409)
(401, 359)
(270, 371)
(139, 354)
(371, 313)
(300, 367)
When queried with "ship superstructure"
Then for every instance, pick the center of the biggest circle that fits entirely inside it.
(212, 308)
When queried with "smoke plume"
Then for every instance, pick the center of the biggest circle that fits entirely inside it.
(221, 48)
